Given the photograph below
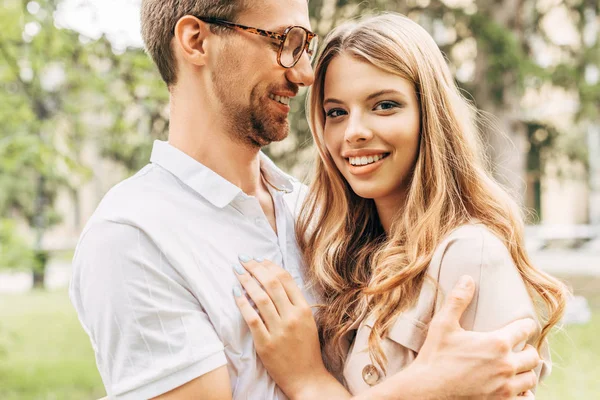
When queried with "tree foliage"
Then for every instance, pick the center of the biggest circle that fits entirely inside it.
(60, 91)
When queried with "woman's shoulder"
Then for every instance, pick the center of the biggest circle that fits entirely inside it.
(476, 250)
(474, 232)
(471, 245)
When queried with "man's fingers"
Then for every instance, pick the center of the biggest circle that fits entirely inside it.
(528, 395)
(518, 332)
(526, 360)
(457, 302)
(524, 382)
(255, 323)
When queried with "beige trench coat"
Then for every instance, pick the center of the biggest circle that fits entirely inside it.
(501, 297)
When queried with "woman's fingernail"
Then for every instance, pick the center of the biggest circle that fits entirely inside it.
(259, 259)
(239, 269)
(244, 258)
(237, 292)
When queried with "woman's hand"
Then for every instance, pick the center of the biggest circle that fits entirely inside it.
(285, 333)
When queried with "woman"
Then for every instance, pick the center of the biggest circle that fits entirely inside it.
(401, 206)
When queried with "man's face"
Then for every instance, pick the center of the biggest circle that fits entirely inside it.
(252, 88)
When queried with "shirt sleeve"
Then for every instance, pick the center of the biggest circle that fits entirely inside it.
(501, 295)
(149, 332)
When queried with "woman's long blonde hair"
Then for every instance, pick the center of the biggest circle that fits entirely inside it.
(355, 267)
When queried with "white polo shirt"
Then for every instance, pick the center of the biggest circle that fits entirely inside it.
(152, 276)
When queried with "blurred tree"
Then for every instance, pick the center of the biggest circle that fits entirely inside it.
(54, 84)
(41, 78)
(60, 91)
(14, 251)
(136, 111)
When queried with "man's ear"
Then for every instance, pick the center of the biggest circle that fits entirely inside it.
(190, 38)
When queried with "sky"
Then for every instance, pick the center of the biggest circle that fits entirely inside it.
(118, 19)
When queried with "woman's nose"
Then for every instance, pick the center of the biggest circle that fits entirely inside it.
(357, 131)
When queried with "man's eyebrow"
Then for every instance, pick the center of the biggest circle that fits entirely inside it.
(282, 28)
(278, 29)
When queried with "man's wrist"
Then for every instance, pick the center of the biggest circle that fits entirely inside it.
(414, 382)
(320, 385)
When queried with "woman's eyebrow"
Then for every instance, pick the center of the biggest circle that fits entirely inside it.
(385, 91)
(332, 100)
(369, 97)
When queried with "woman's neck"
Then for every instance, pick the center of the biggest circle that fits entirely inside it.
(388, 208)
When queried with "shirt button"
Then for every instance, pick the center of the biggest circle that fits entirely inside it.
(370, 375)
(258, 220)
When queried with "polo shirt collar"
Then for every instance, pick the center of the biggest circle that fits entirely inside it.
(210, 185)
(275, 177)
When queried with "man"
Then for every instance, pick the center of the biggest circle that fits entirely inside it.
(152, 277)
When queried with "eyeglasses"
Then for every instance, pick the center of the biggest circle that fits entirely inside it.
(292, 42)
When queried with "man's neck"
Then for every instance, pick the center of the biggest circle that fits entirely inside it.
(201, 134)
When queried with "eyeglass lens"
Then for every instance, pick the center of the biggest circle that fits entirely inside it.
(294, 46)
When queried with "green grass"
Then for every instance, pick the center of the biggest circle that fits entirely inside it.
(44, 353)
(576, 351)
(575, 358)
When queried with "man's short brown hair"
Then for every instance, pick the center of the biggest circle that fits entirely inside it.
(159, 18)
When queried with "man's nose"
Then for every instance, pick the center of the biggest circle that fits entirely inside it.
(302, 73)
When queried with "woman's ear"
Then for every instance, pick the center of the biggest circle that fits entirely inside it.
(191, 36)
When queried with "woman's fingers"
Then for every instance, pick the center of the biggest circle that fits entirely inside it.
(278, 283)
(257, 327)
(269, 273)
(261, 299)
(289, 284)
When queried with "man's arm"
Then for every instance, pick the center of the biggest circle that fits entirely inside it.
(211, 386)
(149, 332)
(453, 363)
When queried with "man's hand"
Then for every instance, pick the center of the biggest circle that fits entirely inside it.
(463, 364)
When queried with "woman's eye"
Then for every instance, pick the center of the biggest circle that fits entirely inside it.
(386, 105)
(334, 113)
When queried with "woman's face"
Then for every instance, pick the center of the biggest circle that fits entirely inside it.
(372, 127)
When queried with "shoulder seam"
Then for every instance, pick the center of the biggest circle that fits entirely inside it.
(478, 288)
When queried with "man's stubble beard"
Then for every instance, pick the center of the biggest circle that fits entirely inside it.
(250, 123)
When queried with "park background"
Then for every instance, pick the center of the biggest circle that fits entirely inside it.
(81, 103)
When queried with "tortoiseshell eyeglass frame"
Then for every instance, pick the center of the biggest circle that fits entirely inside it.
(280, 37)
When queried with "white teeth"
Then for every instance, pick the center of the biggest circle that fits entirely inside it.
(281, 99)
(365, 160)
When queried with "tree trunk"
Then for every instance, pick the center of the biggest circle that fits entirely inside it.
(505, 135)
(39, 271)
(41, 256)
